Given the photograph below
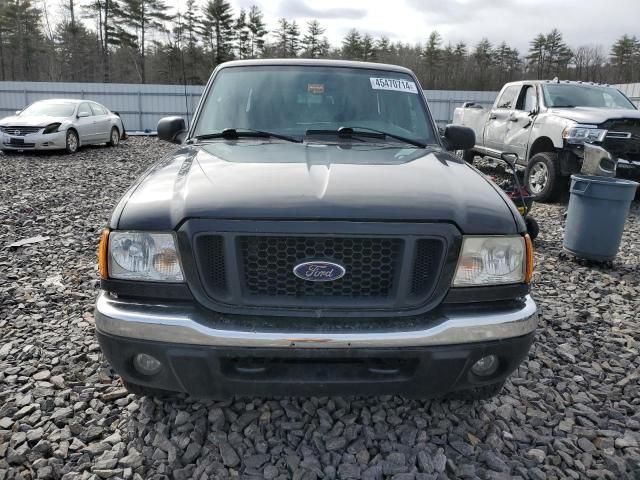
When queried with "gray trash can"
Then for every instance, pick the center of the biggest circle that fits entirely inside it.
(598, 208)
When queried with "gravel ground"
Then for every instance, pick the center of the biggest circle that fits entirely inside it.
(570, 411)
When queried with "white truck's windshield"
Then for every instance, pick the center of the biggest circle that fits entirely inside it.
(291, 100)
(572, 95)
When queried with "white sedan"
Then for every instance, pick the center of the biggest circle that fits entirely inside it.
(60, 124)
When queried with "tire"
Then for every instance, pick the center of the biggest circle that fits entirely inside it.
(484, 392)
(466, 155)
(533, 229)
(141, 390)
(114, 137)
(73, 143)
(543, 179)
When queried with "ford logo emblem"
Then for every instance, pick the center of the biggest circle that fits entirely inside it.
(319, 271)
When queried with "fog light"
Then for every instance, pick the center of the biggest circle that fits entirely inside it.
(485, 366)
(146, 364)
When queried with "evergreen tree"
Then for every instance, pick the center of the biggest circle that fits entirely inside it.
(242, 34)
(368, 48)
(483, 58)
(625, 54)
(352, 45)
(432, 56)
(217, 27)
(257, 32)
(282, 37)
(143, 16)
(293, 39)
(312, 43)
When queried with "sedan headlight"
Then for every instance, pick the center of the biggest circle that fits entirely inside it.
(143, 256)
(493, 261)
(583, 133)
(53, 128)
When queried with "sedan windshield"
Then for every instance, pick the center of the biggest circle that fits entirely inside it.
(49, 109)
(291, 100)
(572, 95)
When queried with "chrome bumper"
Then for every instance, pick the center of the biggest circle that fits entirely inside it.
(188, 325)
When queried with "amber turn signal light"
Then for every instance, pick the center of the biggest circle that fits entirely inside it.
(103, 265)
(529, 272)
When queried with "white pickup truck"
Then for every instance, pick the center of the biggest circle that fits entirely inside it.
(547, 122)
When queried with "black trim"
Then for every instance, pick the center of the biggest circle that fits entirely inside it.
(486, 294)
(221, 372)
(139, 289)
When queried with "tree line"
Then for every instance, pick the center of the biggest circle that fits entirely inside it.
(144, 41)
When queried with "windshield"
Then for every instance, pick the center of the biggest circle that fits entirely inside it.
(293, 99)
(572, 95)
(49, 109)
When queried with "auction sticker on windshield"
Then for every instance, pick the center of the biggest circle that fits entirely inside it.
(393, 84)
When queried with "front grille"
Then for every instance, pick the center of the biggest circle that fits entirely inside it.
(256, 271)
(20, 131)
(268, 263)
(623, 138)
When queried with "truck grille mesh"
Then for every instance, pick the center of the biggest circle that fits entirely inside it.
(428, 254)
(268, 263)
(211, 254)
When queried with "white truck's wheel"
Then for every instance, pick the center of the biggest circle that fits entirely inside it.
(543, 178)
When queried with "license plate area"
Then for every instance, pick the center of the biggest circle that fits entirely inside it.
(16, 141)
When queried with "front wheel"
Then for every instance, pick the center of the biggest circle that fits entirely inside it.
(114, 138)
(72, 142)
(533, 229)
(542, 177)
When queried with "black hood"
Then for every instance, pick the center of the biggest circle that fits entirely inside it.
(276, 180)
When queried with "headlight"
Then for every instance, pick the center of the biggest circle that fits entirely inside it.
(144, 256)
(53, 128)
(492, 261)
(583, 133)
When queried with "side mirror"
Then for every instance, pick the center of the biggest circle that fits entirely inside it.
(458, 137)
(172, 129)
(82, 114)
(510, 158)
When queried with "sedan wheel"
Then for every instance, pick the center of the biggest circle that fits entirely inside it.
(72, 142)
(114, 138)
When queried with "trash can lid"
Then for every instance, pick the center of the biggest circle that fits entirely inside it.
(605, 180)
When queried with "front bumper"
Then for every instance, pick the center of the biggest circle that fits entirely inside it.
(205, 354)
(34, 141)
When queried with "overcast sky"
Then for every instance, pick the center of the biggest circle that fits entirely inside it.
(516, 21)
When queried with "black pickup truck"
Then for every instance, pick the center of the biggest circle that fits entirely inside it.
(313, 236)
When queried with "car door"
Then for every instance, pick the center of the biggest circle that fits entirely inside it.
(520, 122)
(85, 123)
(498, 122)
(102, 122)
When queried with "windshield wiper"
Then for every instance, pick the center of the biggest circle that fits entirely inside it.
(233, 134)
(564, 106)
(347, 132)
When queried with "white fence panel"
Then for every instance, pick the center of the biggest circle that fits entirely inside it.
(631, 90)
